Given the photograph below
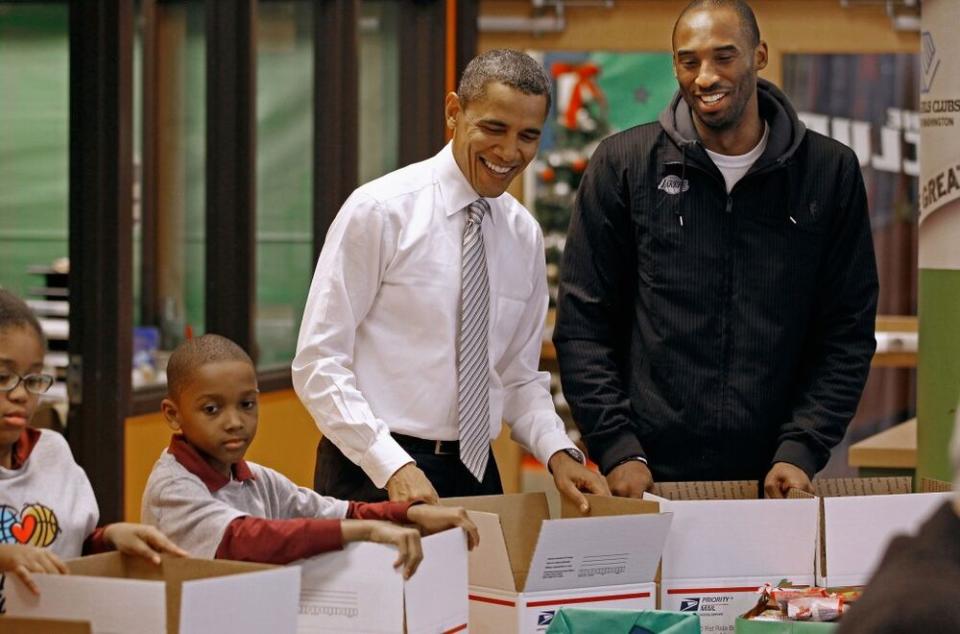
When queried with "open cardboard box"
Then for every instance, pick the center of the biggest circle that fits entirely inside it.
(725, 543)
(117, 593)
(529, 565)
(859, 517)
(358, 589)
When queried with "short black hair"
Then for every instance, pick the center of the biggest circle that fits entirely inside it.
(195, 353)
(506, 66)
(748, 21)
(14, 313)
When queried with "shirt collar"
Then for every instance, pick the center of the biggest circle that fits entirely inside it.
(191, 460)
(24, 446)
(455, 189)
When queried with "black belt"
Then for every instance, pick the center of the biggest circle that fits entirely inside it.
(422, 445)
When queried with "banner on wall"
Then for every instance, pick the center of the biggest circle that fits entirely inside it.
(940, 129)
(870, 103)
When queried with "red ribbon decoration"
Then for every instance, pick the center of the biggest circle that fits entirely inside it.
(585, 74)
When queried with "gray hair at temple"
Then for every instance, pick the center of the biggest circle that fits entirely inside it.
(512, 68)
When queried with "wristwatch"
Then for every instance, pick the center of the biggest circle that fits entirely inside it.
(626, 460)
(576, 454)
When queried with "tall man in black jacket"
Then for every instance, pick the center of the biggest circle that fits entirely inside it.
(719, 288)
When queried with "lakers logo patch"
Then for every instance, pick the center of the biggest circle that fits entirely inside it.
(673, 185)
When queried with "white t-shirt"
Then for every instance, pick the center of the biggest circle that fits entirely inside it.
(734, 168)
(48, 502)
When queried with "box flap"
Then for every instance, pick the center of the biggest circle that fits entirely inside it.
(111, 564)
(520, 518)
(436, 596)
(857, 530)
(849, 487)
(490, 565)
(13, 625)
(130, 605)
(597, 551)
(356, 588)
(259, 601)
(708, 490)
(175, 571)
(602, 506)
(740, 538)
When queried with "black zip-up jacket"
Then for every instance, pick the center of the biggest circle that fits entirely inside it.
(716, 334)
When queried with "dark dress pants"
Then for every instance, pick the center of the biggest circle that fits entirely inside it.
(335, 475)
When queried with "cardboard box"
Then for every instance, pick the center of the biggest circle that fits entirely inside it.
(358, 589)
(116, 593)
(529, 565)
(749, 626)
(859, 517)
(724, 544)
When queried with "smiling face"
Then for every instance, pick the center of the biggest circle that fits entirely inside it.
(495, 136)
(716, 68)
(21, 352)
(217, 411)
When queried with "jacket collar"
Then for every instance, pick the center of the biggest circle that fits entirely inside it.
(786, 130)
(191, 460)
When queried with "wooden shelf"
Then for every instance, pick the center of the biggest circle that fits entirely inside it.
(894, 448)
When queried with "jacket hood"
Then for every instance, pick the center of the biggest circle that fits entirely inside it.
(786, 129)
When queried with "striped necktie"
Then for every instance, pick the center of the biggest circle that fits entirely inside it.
(473, 398)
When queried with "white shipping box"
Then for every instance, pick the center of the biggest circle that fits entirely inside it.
(358, 589)
(859, 517)
(528, 565)
(116, 593)
(724, 544)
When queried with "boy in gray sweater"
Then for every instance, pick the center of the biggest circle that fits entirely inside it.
(206, 497)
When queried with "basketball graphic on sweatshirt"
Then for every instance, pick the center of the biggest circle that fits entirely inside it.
(34, 525)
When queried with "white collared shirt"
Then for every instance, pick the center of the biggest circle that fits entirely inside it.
(377, 347)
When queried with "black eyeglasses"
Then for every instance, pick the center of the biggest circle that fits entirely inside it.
(35, 383)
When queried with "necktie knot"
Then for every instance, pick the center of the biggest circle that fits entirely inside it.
(476, 211)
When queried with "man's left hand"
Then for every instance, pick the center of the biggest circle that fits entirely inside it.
(571, 478)
(783, 477)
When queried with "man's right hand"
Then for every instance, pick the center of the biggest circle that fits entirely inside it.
(630, 479)
(410, 483)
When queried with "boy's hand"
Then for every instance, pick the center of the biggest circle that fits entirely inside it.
(433, 519)
(21, 560)
(407, 540)
(141, 540)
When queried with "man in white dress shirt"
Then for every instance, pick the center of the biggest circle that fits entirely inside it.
(379, 361)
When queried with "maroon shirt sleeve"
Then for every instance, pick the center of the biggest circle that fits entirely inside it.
(389, 511)
(96, 543)
(278, 541)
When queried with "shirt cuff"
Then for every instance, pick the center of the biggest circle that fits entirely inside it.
(96, 542)
(626, 445)
(383, 459)
(387, 511)
(551, 444)
(797, 454)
